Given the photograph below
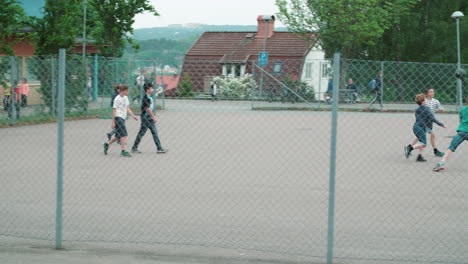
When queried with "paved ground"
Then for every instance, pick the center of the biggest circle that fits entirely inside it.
(238, 186)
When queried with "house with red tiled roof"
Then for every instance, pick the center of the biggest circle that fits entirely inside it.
(168, 83)
(235, 53)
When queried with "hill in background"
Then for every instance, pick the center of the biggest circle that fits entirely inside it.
(181, 32)
(168, 45)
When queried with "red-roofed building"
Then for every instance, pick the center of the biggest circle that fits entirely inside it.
(168, 83)
(232, 53)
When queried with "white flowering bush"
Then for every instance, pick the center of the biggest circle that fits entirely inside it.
(235, 87)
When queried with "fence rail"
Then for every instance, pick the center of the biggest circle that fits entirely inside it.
(249, 161)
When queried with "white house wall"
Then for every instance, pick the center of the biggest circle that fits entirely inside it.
(319, 72)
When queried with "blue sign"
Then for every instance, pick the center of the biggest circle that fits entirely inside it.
(263, 58)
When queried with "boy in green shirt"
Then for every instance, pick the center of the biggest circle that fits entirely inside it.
(462, 135)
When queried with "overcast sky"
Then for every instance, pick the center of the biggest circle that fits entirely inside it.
(212, 12)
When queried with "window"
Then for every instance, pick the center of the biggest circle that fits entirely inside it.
(326, 70)
(308, 73)
(234, 70)
(229, 69)
(277, 67)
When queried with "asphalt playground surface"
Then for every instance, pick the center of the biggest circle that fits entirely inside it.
(237, 186)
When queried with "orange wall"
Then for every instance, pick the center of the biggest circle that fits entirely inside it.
(22, 48)
(26, 48)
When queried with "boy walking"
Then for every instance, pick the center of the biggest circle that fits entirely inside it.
(148, 120)
(377, 89)
(462, 135)
(119, 113)
(424, 120)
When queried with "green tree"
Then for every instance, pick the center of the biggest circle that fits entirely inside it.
(296, 90)
(342, 25)
(11, 21)
(57, 29)
(113, 20)
(428, 25)
(186, 89)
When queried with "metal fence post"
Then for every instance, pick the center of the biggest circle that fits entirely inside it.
(96, 77)
(382, 83)
(254, 90)
(334, 124)
(60, 127)
(459, 81)
(460, 94)
(12, 111)
(53, 85)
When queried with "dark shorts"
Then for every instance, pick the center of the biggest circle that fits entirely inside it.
(120, 129)
(457, 140)
(420, 134)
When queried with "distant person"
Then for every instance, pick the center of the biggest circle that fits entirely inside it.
(213, 91)
(24, 92)
(435, 106)
(329, 92)
(123, 78)
(462, 135)
(139, 82)
(148, 120)
(119, 113)
(352, 90)
(376, 88)
(423, 123)
(6, 96)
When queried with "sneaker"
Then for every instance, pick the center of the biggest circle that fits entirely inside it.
(439, 167)
(109, 136)
(136, 151)
(439, 154)
(106, 148)
(420, 158)
(125, 153)
(407, 151)
(161, 151)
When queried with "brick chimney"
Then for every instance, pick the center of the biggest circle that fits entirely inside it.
(266, 26)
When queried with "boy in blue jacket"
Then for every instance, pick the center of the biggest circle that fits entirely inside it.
(424, 120)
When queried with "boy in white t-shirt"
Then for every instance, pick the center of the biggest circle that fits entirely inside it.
(435, 106)
(119, 113)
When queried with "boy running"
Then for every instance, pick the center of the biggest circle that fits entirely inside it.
(119, 113)
(433, 105)
(462, 135)
(424, 120)
(148, 120)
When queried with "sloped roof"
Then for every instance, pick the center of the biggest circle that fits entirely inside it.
(241, 46)
(169, 80)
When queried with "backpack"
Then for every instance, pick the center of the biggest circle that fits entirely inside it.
(373, 85)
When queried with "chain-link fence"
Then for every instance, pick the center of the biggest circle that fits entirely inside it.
(250, 166)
